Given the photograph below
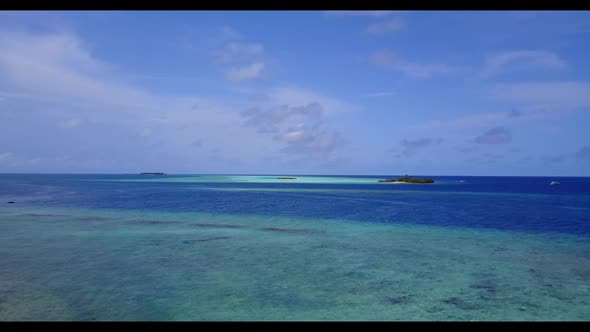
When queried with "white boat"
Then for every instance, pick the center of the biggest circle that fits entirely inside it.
(554, 183)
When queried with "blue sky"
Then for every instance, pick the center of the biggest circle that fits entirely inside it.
(299, 92)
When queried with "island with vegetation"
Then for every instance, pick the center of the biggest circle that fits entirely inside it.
(152, 173)
(286, 178)
(408, 179)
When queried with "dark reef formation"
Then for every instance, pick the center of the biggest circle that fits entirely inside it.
(407, 179)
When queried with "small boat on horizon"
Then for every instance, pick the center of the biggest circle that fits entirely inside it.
(554, 183)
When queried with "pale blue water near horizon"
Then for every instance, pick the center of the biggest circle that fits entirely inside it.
(243, 247)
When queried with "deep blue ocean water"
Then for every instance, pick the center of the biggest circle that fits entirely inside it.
(213, 247)
(511, 203)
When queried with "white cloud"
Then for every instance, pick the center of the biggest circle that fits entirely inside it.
(390, 60)
(361, 13)
(258, 97)
(496, 135)
(417, 70)
(410, 147)
(70, 123)
(197, 143)
(249, 72)
(312, 141)
(10, 160)
(392, 25)
(52, 77)
(291, 95)
(239, 51)
(559, 94)
(380, 94)
(583, 153)
(300, 130)
(466, 121)
(230, 33)
(294, 135)
(497, 63)
(384, 58)
(5, 156)
(268, 121)
(59, 49)
(490, 118)
(55, 78)
(297, 122)
(51, 66)
(146, 132)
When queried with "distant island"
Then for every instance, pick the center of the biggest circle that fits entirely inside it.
(407, 179)
(152, 173)
(286, 178)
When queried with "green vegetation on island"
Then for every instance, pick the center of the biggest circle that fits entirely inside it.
(408, 179)
(286, 178)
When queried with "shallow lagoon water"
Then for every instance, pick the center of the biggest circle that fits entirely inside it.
(263, 179)
(67, 255)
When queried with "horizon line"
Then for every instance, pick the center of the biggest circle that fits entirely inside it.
(294, 174)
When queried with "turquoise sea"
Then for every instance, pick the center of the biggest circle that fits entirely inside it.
(241, 248)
